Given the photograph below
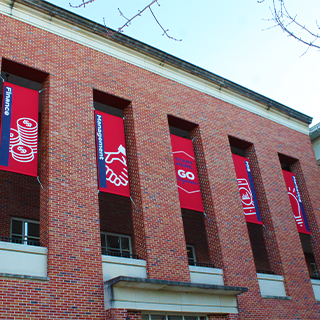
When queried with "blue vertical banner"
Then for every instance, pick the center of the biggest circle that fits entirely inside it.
(100, 152)
(6, 125)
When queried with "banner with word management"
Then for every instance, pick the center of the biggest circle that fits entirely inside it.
(186, 173)
(19, 130)
(111, 154)
(296, 202)
(247, 191)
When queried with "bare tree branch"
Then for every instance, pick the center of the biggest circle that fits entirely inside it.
(82, 4)
(165, 32)
(129, 20)
(292, 26)
(137, 15)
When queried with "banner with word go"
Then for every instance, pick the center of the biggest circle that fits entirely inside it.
(247, 191)
(296, 203)
(186, 172)
(19, 130)
(111, 154)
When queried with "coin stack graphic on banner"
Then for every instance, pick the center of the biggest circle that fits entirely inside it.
(22, 153)
(14, 137)
(24, 141)
(28, 132)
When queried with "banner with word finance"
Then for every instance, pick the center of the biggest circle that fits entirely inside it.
(186, 173)
(111, 154)
(296, 202)
(247, 191)
(19, 130)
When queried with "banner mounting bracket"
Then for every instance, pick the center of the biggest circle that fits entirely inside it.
(40, 182)
(134, 204)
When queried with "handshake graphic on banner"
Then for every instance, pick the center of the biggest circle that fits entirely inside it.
(116, 167)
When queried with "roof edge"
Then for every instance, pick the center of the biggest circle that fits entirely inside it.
(136, 45)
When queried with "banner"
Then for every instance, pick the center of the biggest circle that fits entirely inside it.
(247, 191)
(111, 154)
(186, 172)
(19, 130)
(296, 203)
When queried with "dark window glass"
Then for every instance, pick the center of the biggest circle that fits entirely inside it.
(17, 227)
(33, 229)
(125, 245)
(158, 317)
(113, 242)
(103, 241)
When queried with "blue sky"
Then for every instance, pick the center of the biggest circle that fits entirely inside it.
(227, 37)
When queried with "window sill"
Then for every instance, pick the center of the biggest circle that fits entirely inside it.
(19, 276)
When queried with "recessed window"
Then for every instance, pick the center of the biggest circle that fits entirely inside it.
(191, 254)
(116, 245)
(171, 317)
(315, 270)
(25, 231)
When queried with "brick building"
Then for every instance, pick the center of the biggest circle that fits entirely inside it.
(315, 139)
(68, 251)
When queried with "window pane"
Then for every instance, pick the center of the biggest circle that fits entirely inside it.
(203, 318)
(174, 318)
(113, 242)
(158, 317)
(16, 239)
(192, 318)
(125, 244)
(33, 229)
(103, 241)
(190, 253)
(145, 317)
(17, 227)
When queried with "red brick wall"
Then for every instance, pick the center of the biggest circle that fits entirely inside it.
(69, 206)
(19, 198)
(115, 214)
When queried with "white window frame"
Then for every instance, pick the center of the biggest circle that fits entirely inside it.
(25, 238)
(120, 236)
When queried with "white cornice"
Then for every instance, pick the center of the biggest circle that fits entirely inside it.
(68, 31)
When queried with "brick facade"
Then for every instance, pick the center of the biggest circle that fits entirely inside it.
(72, 213)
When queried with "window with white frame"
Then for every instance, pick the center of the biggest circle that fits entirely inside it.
(172, 317)
(25, 231)
(191, 255)
(116, 244)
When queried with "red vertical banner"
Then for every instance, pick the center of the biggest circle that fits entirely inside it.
(111, 154)
(19, 130)
(186, 173)
(247, 191)
(296, 202)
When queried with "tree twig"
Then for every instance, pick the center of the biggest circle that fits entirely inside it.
(165, 32)
(82, 4)
(129, 20)
(287, 22)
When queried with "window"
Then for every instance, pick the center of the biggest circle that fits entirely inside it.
(315, 270)
(171, 317)
(116, 245)
(191, 255)
(25, 231)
